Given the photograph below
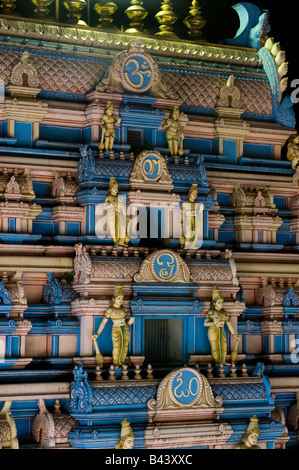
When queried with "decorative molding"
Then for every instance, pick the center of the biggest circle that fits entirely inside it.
(95, 38)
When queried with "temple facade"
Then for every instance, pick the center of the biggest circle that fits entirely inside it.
(149, 232)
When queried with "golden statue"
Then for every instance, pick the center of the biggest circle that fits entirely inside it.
(174, 134)
(249, 439)
(127, 436)
(120, 329)
(216, 319)
(118, 221)
(108, 124)
(190, 219)
(293, 151)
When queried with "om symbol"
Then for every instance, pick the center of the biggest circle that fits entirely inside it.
(165, 266)
(138, 73)
(186, 387)
(151, 167)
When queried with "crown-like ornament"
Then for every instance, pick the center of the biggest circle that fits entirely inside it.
(216, 294)
(253, 426)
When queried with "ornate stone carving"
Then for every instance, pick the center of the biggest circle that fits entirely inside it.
(267, 296)
(5, 297)
(150, 167)
(184, 389)
(24, 73)
(82, 265)
(56, 292)
(43, 427)
(80, 392)
(8, 429)
(64, 187)
(163, 266)
(293, 416)
(290, 299)
(134, 71)
(50, 429)
(229, 95)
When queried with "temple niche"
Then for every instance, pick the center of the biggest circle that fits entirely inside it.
(149, 281)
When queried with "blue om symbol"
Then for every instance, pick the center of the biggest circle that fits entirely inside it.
(165, 266)
(138, 72)
(186, 387)
(151, 166)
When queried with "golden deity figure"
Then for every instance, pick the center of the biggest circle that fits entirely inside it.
(118, 221)
(120, 329)
(127, 436)
(215, 320)
(190, 219)
(293, 151)
(108, 124)
(174, 134)
(250, 438)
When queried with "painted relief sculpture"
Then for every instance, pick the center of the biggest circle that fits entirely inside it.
(127, 436)
(293, 151)
(120, 329)
(108, 123)
(191, 219)
(118, 221)
(249, 439)
(216, 319)
(174, 134)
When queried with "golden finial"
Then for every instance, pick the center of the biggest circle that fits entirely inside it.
(166, 17)
(42, 11)
(136, 13)
(8, 8)
(74, 8)
(195, 21)
(105, 9)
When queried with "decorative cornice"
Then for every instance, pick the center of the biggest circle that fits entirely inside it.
(93, 37)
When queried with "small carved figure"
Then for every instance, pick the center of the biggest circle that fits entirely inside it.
(174, 134)
(216, 319)
(190, 219)
(118, 221)
(127, 436)
(108, 123)
(293, 151)
(250, 438)
(120, 329)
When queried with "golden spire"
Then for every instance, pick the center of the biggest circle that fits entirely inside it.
(195, 21)
(8, 8)
(166, 17)
(105, 9)
(75, 7)
(41, 11)
(136, 13)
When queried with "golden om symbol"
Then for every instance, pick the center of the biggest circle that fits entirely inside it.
(152, 166)
(164, 273)
(189, 389)
(137, 72)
